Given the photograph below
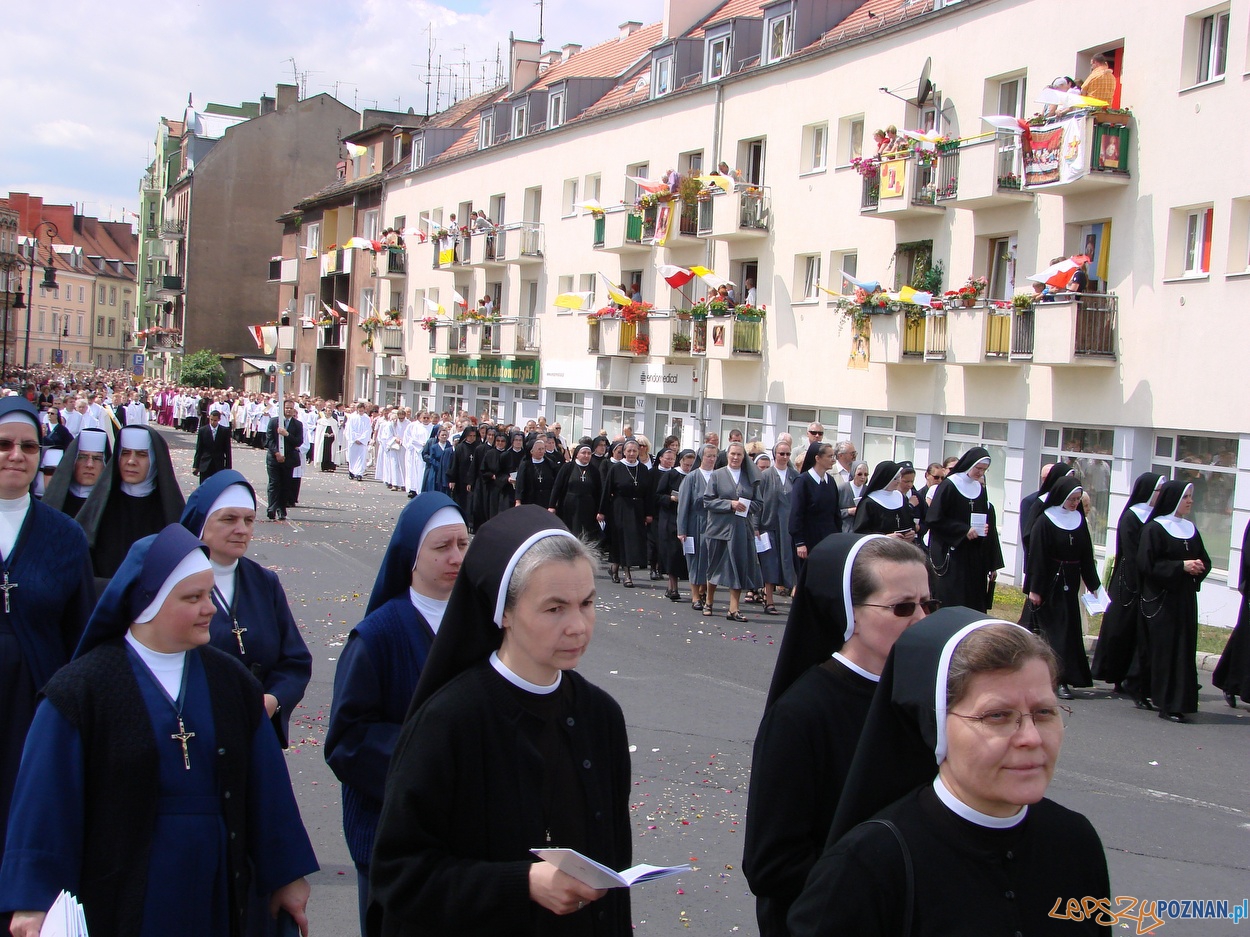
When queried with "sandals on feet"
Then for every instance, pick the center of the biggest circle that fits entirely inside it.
(736, 616)
(771, 610)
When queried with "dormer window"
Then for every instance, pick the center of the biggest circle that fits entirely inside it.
(399, 147)
(717, 58)
(555, 110)
(520, 120)
(779, 38)
(418, 152)
(663, 82)
(486, 131)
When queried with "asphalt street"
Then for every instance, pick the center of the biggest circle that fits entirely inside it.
(1169, 801)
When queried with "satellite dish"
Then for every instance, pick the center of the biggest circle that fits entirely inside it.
(924, 87)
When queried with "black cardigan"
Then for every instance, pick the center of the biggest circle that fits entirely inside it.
(463, 808)
(815, 510)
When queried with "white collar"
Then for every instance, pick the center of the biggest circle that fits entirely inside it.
(960, 809)
(891, 500)
(166, 668)
(855, 668)
(1062, 517)
(431, 609)
(706, 473)
(816, 478)
(1142, 509)
(1182, 528)
(735, 474)
(520, 682)
(966, 486)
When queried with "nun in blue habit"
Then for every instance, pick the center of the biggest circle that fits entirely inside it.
(253, 622)
(46, 564)
(384, 656)
(189, 802)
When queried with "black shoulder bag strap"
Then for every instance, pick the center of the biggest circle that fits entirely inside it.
(908, 872)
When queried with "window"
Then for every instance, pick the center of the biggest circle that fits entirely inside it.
(593, 187)
(80, 325)
(520, 121)
(112, 327)
(555, 110)
(1089, 451)
(364, 384)
(844, 262)
(1210, 463)
(1001, 264)
(778, 38)
(815, 148)
(632, 192)
(564, 285)
(309, 318)
(366, 302)
(82, 296)
(418, 152)
(717, 58)
(568, 413)
(747, 417)
(1211, 35)
(889, 437)
(1198, 242)
(912, 262)
(799, 418)
(615, 416)
(486, 131)
(1239, 238)
(586, 284)
(962, 436)
(570, 198)
(807, 266)
(100, 300)
(663, 82)
(751, 158)
(99, 325)
(125, 305)
(312, 239)
(398, 147)
(372, 227)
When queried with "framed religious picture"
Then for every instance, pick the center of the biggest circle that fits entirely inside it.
(718, 335)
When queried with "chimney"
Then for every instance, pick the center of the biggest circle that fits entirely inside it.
(628, 29)
(568, 50)
(267, 105)
(523, 57)
(681, 16)
(546, 60)
(288, 96)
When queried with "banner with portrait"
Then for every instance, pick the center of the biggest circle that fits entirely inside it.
(893, 178)
(1057, 153)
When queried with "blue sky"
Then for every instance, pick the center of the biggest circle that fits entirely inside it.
(81, 91)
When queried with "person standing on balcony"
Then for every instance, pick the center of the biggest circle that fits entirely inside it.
(1101, 82)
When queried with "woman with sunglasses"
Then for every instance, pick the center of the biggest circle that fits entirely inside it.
(855, 596)
(943, 826)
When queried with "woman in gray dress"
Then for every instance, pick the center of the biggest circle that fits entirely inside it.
(733, 504)
(776, 563)
(691, 521)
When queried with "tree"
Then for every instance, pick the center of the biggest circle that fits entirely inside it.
(202, 369)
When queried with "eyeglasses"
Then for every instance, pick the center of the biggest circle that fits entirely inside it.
(814, 433)
(906, 609)
(89, 457)
(1007, 722)
(28, 446)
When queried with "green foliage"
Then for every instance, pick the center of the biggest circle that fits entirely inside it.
(202, 369)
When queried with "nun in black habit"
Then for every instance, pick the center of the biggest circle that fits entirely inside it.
(965, 558)
(626, 509)
(1040, 501)
(883, 509)
(1118, 638)
(505, 749)
(831, 657)
(1172, 563)
(1232, 673)
(253, 622)
(943, 827)
(78, 472)
(576, 496)
(670, 560)
(138, 496)
(493, 477)
(462, 476)
(536, 476)
(1060, 558)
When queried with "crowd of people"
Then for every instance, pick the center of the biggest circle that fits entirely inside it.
(150, 669)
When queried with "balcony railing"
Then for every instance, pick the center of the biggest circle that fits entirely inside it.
(601, 226)
(1108, 137)
(681, 337)
(396, 262)
(688, 221)
(650, 217)
(491, 339)
(392, 339)
(171, 284)
(634, 227)
(593, 336)
(332, 336)
(1095, 324)
(748, 336)
(935, 335)
(998, 334)
(743, 213)
(870, 193)
(520, 242)
(698, 337)
(913, 337)
(1022, 336)
(527, 335)
(173, 229)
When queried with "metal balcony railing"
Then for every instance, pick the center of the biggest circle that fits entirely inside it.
(173, 229)
(1022, 322)
(998, 334)
(600, 235)
(935, 336)
(1095, 324)
(870, 193)
(682, 339)
(396, 262)
(688, 221)
(748, 338)
(913, 336)
(755, 207)
(527, 334)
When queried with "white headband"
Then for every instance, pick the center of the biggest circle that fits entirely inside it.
(846, 582)
(17, 416)
(943, 673)
(194, 562)
(443, 517)
(501, 600)
(235, 496)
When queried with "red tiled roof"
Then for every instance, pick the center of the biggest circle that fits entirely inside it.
(606, 60)
(873, 15)
(623, 95)
(727, 10)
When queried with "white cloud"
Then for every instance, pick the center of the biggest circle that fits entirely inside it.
(63, 134)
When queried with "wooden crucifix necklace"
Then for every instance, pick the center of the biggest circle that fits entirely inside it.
(229, 609)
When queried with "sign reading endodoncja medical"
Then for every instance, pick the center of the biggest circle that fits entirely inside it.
(500, 370)
(668, 380)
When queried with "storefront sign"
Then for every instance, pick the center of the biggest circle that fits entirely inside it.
(502, 371)
(667, 380)
(569, 375)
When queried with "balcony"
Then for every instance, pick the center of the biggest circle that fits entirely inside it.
(620, 232)
(1079, 332)
(149, 183)
(484, 251)
(170, 286)
(899, 338)
(870, 193)
(395, 265)
(332, 336)
(521, 336)
(388, 340)
(1101, 142)
(616, 338)
(336, 261)
(731, 338)
(991, 173)
(520, 243)
(173, 230)
(283, 270)
(670, 337)
(156, 250)
(743, 214)
(917, 185)
(981, 335)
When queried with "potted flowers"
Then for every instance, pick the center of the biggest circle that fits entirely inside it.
(745, 312)
(635, 311)
(1023, 301)
(428, 323)
(971, 291)
(641, 345)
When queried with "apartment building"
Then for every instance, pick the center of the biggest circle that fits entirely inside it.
(788, 94)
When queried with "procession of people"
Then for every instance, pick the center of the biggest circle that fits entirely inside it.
(151, 670)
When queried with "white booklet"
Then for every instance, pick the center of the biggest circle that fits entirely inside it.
(763, 543)
(65, 918)
(746, 507)
(596, 875)
(1096, 602)
(687, 546)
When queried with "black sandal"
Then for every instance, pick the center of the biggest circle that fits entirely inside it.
(771, 610)
(707, 611)
(628, 583)
(736, 616)
(615, 576)
(697, 605)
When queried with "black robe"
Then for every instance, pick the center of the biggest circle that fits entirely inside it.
(669, 557)
(509, 464)
(1117, 639)
(802, 754)
(1169, 609)
(463, 474)
(125, 520)
(1232, 673)
(871, 517)
(465, 805)
(535, 481)
(576, 499)
(968, 879)
(962, 565)
(626, 505)
(1058, 561)
(492, 480)
(815, 511)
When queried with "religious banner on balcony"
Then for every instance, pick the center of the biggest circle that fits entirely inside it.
(664, 223)
(502, 371)
(893, 178)
(860, 336)
(1056, 154)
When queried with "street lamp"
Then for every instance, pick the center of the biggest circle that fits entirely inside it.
(49, 279)
(9, 265)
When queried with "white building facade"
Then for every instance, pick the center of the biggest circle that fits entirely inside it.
(1138, 375)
